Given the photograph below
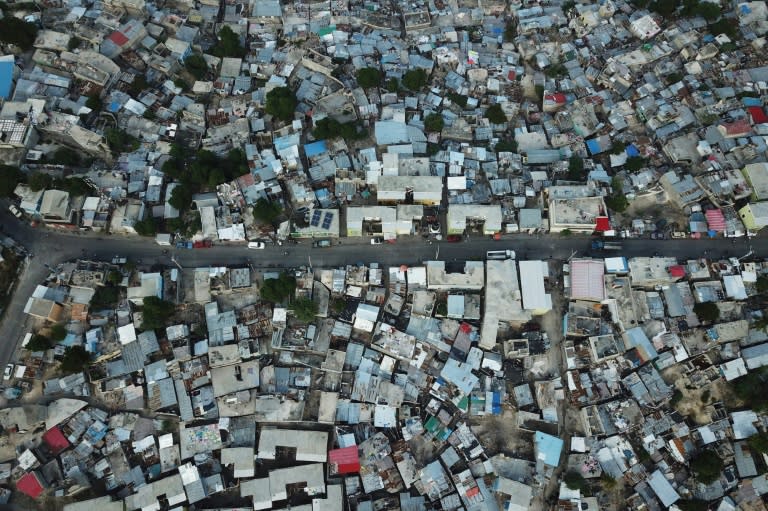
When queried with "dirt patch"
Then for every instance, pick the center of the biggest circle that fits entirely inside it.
(698, 402)
(500, 434)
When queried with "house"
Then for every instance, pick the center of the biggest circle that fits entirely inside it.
(460, 216)
(754, 215)
(307, 445)
(532, 275)
(8, 75)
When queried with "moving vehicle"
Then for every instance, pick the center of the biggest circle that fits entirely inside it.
(322, 243)
(256, 245)
(605, 245)
(500, 255)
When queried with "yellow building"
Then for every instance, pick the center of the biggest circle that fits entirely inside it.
(754, 216)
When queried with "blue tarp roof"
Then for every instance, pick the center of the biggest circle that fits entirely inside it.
(632, 150)
(747, 101)
(6, 78)
(315, 148)
(593, 146)
(548, 448)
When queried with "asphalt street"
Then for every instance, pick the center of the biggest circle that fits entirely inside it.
(50, 247)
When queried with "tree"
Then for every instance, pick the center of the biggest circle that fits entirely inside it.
(673, 78)
(693, 505)
(156, 312)
(458, 99)
(708, 10)
(58, 332)
(266, 211)
(105, 297)
(196, 65)
(707, 312)
(94, 102)
(38, 343)
(10, 177)
(708, 466)
(16, 31)
(75, 359)
(368, 77)
(617, 202)
(146, 227)
(331, 128)
(277, 290)
(434, 122)
(74, 42)
(762, 284)
(617, 147)
(506, 146)
(634, 163)
(415, 79)
(510, 32)
(228, 44)
(725, 26)
(114, 278)
(138, 85)
(759, 442)
(120, 141)
(181, 197)
(305, 309)
(66, 156)
(574, 480)
(39, 181)
(281, 103)
(575, 168)
(495, 114)
(392, 85)
(76, 186)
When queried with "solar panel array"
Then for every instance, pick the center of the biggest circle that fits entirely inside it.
(327, 220)
(315, 218)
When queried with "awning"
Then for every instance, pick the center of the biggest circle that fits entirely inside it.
(603, 224)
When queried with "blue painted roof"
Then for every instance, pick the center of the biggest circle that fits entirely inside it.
(593, 146)
(548, 448)
(315, 148)
(6, 78)
(632, 150)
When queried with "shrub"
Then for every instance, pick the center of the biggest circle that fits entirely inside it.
(708, 466)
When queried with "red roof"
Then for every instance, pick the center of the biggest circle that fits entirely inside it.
(30, 485)
(603, 224)
(736, 128)
(55, 440)
(511, 75)
(757, 114)
(344, 460)
(677, 271)
(118, 38)
(715, 220)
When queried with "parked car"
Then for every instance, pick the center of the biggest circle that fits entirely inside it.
(202, 244)
(434, 228)
(13, 209)
(679, 235)
(378, 240)
(656, 235)
(8, 372)
(453, 238)
(256, 245)
(322, 243)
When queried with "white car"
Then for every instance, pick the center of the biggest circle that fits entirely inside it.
(8, 372)
(256, 245)
(378, 240)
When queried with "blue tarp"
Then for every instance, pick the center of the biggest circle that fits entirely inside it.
(6, 78)
(315, 148)
(632, 150)
(593, 146)
(751, 101)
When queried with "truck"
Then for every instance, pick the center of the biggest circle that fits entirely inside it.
(605, 245)
(322, 243)
(500, 255)
(183, 244)
(202, 244)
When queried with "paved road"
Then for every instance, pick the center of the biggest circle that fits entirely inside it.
(50, 248)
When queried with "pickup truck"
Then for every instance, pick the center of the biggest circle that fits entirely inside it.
(605, 245)
(119, 260)
(202, 244)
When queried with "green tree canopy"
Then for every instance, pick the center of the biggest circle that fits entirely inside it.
(708, 466)
(707, 312)
(634, 163)
(495, 114)
(279, 289)
(94, 102)
(305, 310)
(508, 146)
(434, 122)
(39, 181)
(368, 77)
(105, 297)
(759, 442)
(281, 103)
(266, 211)
(75, 359)
(574, 480)
(156, 312)
(228, 44)
(392, 85)
(38, 343)
(576, 168)
(415, 79)
(9, 178)
(120, 141)
(327, 128)
(66, 156)
(196, 65)
(16, 31)
(58, 332)
(181, 197)
(146, 227)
